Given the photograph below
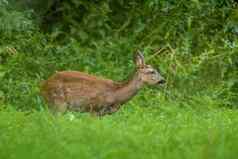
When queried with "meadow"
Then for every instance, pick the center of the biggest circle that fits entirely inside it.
(193, 44)
(134, 132)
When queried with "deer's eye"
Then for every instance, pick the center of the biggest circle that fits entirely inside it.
(152, 72)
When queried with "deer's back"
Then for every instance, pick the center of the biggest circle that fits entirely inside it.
(78, 90)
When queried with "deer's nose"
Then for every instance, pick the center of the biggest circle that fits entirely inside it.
(161, 81)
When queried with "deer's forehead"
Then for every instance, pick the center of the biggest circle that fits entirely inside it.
(149, 68)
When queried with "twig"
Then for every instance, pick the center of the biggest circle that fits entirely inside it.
(162, 50)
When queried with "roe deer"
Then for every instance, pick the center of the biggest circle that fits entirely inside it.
(77, 91)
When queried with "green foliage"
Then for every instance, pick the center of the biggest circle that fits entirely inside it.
(194, 43)
(14, 22)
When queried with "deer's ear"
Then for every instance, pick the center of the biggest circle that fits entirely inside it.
(139, 59)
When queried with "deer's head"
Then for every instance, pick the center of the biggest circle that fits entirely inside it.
(147, 73)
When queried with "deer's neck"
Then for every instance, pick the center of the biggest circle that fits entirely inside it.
(128, 89)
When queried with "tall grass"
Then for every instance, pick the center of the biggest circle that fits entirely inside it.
(165, 131)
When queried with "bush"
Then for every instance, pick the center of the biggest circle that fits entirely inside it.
(194, 44)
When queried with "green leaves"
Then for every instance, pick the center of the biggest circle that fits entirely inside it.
(198, 39)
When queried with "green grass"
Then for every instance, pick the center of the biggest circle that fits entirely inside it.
(165, 131)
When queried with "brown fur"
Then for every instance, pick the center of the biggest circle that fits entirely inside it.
(78, 91)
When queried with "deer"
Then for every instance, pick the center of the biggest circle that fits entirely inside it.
(81, 92)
